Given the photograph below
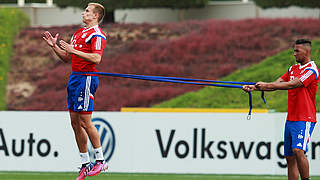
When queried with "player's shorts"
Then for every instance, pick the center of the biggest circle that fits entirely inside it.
(81, 90)
(297, 135)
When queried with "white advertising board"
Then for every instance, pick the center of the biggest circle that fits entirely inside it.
(211, 143)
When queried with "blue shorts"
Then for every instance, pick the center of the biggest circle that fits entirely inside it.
(297, 135)
(81, 90)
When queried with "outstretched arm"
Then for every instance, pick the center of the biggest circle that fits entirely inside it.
(279, 85)
(52, 42)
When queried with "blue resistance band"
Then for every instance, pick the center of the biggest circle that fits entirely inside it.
(203, 82)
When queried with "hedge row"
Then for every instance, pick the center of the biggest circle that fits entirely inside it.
(286, 3)
(197, 49)
(268, 71)
(11, 20)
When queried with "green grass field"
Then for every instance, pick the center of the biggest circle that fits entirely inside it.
(135, 176)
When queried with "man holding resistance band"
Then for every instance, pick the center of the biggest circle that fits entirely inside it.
(301, 80)
(84, 51)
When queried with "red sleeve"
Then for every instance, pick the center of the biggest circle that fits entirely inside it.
(98, 44)
(285, 76)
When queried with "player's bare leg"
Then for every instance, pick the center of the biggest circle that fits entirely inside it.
(81, 139)
(302, 163)
(79, 132)
(293, 172)
(91, 130)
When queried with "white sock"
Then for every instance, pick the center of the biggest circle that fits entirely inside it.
(84, 158)
(99, 154)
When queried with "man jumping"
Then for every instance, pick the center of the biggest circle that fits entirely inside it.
(85, 52)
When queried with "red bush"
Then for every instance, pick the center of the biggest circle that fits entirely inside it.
(196, 49)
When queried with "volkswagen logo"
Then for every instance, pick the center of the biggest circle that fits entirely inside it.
(107, 138)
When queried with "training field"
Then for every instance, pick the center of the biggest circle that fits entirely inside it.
(127, 176)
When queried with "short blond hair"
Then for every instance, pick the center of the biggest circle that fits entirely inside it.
(98, 8)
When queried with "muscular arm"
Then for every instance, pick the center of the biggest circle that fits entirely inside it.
(52, 42)
(279, 84)
(91, 57)
(62, 54)
(279, 80)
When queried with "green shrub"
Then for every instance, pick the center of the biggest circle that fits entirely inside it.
(268, 70)
(11, 21)
(286, 3)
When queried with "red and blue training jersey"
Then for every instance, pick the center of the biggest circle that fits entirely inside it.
(301, 101)
(88, 40)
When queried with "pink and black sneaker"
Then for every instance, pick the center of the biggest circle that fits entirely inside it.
(97, 168)
(84, 171)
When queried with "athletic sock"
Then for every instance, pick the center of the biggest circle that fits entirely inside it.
(99, 154)
(84, 159)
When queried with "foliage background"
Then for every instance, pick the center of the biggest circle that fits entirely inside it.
(210, 49)
(12, 20)
(268, 70)
(286, 3)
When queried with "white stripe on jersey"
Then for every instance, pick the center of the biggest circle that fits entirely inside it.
(98, 43)
(314, 67)
(97, 33)
(311, 70)
(305, 76)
